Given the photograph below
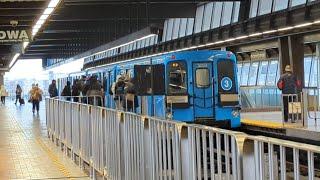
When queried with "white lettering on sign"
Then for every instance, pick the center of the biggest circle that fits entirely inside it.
(13, 36)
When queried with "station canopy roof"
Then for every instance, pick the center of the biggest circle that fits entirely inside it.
(60, 29)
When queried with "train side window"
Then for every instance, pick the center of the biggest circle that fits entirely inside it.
(202, 78)
(177, 81)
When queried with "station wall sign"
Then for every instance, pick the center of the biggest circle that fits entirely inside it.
(14, 35)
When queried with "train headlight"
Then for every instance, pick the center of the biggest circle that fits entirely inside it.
(235, 113)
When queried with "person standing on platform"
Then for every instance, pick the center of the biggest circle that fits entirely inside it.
(67, 91)
(130, 102)
(94, 91)
(18, 94)
(3, 94)
(76, 90)
(118, 91)
(35, 98)
(290, 87)
(53, 91)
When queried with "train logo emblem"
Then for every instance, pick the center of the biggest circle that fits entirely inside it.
(226, 83)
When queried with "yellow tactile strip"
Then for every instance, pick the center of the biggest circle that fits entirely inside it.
(30, 158)
(268, 124)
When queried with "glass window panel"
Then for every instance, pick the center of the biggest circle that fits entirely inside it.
(265, 7)
(262, 75)
(297, 2)
(165, 28)
(272, 73)
(244, 74)
(227, 13)
(169, 30)
(183, 27)
(177, 80)
(202, 78)
(199, 16)
(207, 16)
(253, 74)
(253, 8)
(314, 73)
(280, 5)
(236, 9)
(239, 71)
(307, 68)
(176, 28)
(216, 15)
(190, 26)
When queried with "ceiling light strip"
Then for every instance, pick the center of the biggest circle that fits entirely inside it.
(46, 13)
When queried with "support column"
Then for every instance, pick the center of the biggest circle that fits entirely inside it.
(318, 62)
(296, 53)
(291, 52)
(2, 78)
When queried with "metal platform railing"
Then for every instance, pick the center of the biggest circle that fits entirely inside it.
(123, 145)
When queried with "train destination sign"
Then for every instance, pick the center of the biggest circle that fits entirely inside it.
(14, 36)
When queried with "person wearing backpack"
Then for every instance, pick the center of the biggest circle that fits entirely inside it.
(289, 85)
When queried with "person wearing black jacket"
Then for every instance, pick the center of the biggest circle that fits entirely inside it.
(76, 89)
(53, 91)
(67, 91)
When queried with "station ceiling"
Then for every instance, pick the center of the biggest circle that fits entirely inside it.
(16, 15)
(79, 25)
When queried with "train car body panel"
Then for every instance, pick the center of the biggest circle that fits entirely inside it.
(200, 86)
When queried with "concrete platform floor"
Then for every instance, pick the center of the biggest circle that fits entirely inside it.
(25, 150)
(275, 118)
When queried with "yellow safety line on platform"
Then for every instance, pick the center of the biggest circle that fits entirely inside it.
(267, 124)
(53, 157)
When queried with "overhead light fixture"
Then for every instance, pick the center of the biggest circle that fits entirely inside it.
(303, 25)
(14, 59)
(269, 32)
(48, 11)
(53, 3)
(25, 44)
(255, 34)
(241, 37)
(37, 26)
(40, 22)
(44, 17)
(285, 29)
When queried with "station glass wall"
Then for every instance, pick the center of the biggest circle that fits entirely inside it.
(262, 7)
(258, 80)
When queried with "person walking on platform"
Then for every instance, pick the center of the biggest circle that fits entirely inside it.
(53, 91)
(3, 94)
(76, 90)
(67, 91)
(35, 98)
(290, 87)
(18, 94)
(94, 91)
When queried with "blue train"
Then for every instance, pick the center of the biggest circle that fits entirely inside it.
(190, 86)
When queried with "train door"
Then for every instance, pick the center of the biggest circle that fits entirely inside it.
(203, 97)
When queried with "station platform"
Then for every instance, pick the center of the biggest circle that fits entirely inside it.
(273, 121)
(25, 150)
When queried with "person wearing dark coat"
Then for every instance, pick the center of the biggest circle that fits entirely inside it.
(94, 91)
(290, 87)
(67, 91)
(76, 90)
(53, 91)
(130, 100)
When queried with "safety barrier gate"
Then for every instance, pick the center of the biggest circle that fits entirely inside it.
(123, 145)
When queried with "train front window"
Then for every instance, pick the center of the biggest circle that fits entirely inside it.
(202, 78)
(177, 81)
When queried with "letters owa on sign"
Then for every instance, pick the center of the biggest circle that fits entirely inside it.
(13, 35)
